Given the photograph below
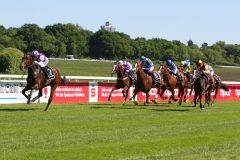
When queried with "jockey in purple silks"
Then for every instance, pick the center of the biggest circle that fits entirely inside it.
(126, 65)
(41, 60)
(128, 68)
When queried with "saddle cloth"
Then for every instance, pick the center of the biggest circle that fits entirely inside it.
(50, 73)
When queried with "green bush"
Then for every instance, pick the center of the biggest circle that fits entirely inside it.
(10, 59)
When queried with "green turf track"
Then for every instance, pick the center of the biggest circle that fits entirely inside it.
(111, 131)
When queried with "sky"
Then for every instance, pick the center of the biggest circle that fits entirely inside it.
(199, 20)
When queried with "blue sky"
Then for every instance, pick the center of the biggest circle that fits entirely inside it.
(199, 20)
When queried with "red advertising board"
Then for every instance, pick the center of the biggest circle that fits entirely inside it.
(104, 90)
(72, 92)
(99, 92)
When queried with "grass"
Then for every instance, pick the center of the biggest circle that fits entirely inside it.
(111, 131)
(103, 68)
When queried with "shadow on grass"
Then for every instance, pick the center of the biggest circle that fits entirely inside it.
(17, 109)
(148, 107)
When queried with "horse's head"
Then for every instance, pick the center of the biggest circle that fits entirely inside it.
(118, 69)
(27, 61)
(164, 69)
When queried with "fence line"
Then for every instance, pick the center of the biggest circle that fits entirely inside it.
(93, 78)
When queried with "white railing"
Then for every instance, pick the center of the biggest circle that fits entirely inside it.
(93, 78)
(8, 76)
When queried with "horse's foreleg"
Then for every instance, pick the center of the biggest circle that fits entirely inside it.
(147, 96)
(125, 99)
(38, 96)
(29, 95)
(53, 88)
(109, 97)
(181, 92)
(134, 95)
(215, 95)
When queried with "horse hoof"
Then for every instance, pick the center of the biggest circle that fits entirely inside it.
(154, 101)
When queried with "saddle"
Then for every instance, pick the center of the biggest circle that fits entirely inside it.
(49, 73)
(156, 78)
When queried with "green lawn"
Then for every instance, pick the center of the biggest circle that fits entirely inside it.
(111, 131)
(102, 68)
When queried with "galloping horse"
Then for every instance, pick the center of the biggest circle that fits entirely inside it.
(200, 88)
(37, 80)
(145, 83)
(122, 81)
(172, 82)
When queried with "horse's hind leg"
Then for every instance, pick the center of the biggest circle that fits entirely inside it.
(53, 88)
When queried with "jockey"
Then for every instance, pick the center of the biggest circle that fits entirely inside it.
(149, 67)
(41, 60)
(127, 65)
(186, 65)
(173, 69)
(186, 69)
(207, 69)
(128, 68)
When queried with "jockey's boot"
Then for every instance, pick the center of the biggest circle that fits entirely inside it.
(44, 69)
(155, 80)
(179, 77)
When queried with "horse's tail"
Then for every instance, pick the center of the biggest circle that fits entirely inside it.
(63, 80)
(224, 87)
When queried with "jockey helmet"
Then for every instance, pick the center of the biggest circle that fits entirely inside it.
(120, 62)
(182, 62)
(169, 62)
(143, 58)
(35, 53)
(199, 62)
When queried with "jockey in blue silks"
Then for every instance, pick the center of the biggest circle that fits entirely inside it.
(173, 69)
(148, 68)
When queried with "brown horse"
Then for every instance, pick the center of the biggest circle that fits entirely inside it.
(172, 82)
(123, 81)
(145, 83)
(36, 79)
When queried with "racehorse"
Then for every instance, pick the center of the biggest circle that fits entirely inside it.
(189, 81)
(145, 83)
(123, 81)
(172, 82)
(36, 79)
(201, 88)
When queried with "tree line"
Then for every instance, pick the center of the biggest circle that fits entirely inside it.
(60, 40)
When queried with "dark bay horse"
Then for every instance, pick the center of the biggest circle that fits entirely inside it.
(123, 81)
(36, 79)
(200, 89)
(145, 83)
(172, 82)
